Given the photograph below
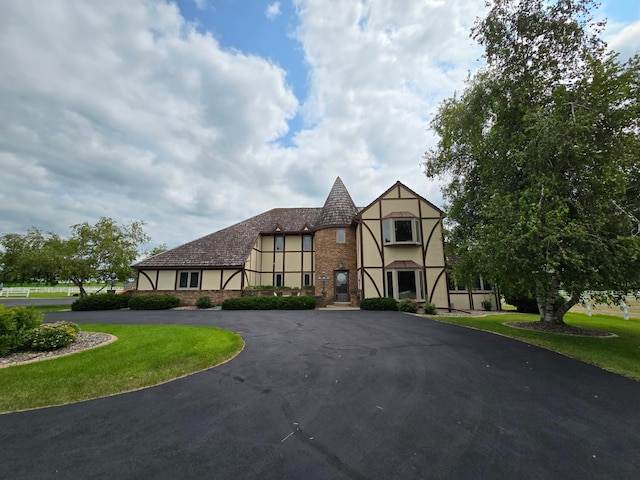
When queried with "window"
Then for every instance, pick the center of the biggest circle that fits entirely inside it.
(401, 231)
(341, 236)
(189, 280)
(279, 241)
(481, 284)
(307, 279)
(405, 284)
(306, 242)
(278, 280)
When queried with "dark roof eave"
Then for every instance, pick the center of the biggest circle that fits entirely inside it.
(186, 267)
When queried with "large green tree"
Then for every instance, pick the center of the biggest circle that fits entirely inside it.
(99, 252)
(542, 156)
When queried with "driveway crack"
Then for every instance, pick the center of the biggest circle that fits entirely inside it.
(309, 440)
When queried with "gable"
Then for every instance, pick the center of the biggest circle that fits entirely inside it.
(400, 198)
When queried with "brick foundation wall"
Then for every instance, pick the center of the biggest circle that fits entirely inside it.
(328, 254)
(188, 297)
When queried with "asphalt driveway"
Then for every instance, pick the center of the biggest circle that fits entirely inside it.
(330, 395)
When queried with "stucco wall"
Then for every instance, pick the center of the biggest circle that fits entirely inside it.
(374, 254)
(292, 262)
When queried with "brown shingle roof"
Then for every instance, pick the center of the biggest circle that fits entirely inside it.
(339, 209)
(232, 245)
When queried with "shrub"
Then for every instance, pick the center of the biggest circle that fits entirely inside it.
(303, 302)
(103, 301)
(16, 325)
(407, 305)
(524, 302)
(430, 308)
(51, 336)
(382, 303)
(153, 302)
(7, 330)
(270, 303)
(487, 304)
(203, 302)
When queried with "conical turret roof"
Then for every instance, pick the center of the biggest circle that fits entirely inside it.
(339, 209)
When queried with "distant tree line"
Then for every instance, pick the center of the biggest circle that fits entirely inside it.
(102, 252)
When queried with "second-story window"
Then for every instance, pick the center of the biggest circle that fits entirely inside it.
(401, 231)
(307, 243)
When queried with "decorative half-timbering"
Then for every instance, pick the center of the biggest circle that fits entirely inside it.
(341, 253)
(400, 248)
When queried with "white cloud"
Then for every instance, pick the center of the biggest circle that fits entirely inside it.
(125, 110)
(273, 10)
(201, 4)
(378, 72)
(624, 39)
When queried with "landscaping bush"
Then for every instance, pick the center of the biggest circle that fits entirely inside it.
(383, 303)
(51, 336)
(16, 325)
(430, 309)
(102, 301)
(407, 305)
(487, 304)
(524, 303)
(302, 302)
(153, 302)
(270, 303)
(203, 302)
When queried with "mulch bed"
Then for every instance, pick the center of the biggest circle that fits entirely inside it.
(85, 341)
(562, 329)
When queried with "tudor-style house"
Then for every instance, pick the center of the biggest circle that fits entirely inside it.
(391, 248)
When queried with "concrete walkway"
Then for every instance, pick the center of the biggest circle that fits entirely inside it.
(339, 395)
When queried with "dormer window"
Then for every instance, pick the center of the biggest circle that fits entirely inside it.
(401, 228)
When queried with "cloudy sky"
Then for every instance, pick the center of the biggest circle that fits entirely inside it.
(193, 115)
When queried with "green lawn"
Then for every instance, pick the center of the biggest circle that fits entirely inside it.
(142, 356)
(49, 308)
(619, 355)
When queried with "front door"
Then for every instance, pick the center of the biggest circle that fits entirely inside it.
(341, 282)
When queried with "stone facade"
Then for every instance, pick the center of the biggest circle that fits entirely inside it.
(332, 256)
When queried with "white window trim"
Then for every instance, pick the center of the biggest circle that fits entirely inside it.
(344, 235)
(420, 284)
(388, 225)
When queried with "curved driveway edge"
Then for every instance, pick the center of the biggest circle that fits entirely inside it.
(332, 394)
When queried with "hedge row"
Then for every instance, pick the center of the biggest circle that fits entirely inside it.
(103, 301)
(110, 301)
(270, 303)
(154, 302)
(382, 303)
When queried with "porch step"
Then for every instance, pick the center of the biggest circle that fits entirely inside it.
(339, 306)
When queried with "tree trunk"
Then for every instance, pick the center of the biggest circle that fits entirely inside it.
(80, 284)
(552, 306)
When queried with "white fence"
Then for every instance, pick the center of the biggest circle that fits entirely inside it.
(26, 292)
(627, 307)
